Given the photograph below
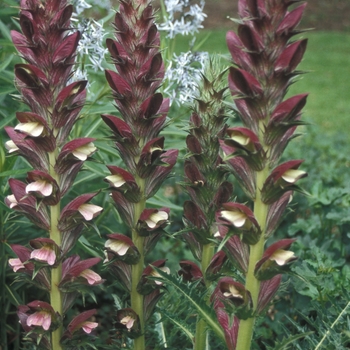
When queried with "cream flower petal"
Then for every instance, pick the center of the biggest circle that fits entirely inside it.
(116, 180)
(89, 211)
(128, 321)
(237, 218)
(281, 257)
(41, 186)
(83, 152)
(13, 201)
(116, 246)
(34, 129)
(11, 146)
(154, 218)
(293, 175)
(241, 139)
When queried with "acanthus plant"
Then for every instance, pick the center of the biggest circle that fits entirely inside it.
(142, 116)
(265, 60)
(206, 182)
(48, 44)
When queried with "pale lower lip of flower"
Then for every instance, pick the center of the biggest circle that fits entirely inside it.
(241, 139)
(233, 291)
(41, 186)
(153, 219)
(293, 175)
(117, 180)
(13, 201)
(116, 246)
(127, 321)
(40, 318)
(44, 254)
(16, 264)
(237, 218)
(89, 326)
(155, 148)
(83, 152)
(156, 274)
(91, 276)
(34, 129)
(281, 257)
(11, 146)
(89, 211)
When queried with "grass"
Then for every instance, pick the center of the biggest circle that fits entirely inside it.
(327, 61)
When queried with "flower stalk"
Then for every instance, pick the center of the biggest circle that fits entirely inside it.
(48, 45)
(265, 61)
(205, 179)
(139, 72)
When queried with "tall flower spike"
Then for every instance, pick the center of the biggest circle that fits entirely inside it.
(142, 110)
(205, 178)
(265, 66)
(48, 45)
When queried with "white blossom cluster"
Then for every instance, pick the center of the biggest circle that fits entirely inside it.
(81, 5)
(183, 74)
(183, 17)
(91, 44)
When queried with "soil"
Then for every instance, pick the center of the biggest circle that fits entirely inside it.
(319, 14)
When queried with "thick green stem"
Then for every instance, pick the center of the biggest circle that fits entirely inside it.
(137, 299)
(201, 337)
(246, 327)
(56, 273)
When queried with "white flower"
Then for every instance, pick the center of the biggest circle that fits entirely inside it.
(80, 6)
(293, 175)
(156, 218)
(89, 211)
(128, 322)
(41, 186)
(117, 246)
(115, 180)
(84, 151)
(34, 129)
(188, 23)
(182, 76)
(11, 146)
(282, 257)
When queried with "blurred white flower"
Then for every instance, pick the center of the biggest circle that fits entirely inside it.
(80, 6)
(183, 18)
(183, 74)
(91, 43)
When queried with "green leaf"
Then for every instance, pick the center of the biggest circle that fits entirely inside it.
(12, 296)
(287, 342)
(189, 293)
(178, 323)
(4, 64)
(161, 202)
(5, 31)
(15, 172)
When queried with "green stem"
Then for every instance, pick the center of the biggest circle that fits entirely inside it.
(246, 327)
(137, 299)
(201, 337)
(56, 272)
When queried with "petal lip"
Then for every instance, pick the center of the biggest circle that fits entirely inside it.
(89, 211)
